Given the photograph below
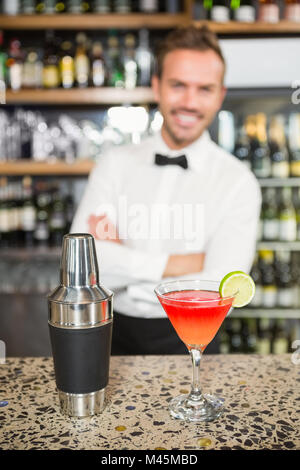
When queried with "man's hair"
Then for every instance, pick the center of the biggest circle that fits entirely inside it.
(191, 38)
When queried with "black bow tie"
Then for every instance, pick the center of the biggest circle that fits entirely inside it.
(162, 160)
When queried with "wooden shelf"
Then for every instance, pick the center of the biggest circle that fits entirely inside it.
(94, 21)
(19, 168)
(79, 96)
(139, 20)
(235, 27)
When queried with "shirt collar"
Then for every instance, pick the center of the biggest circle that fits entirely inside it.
(195, 152)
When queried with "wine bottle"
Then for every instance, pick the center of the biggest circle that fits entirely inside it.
(287, 217)
(294, 143)
(122, 6)
(284, 279)
(81, 61)
(260, 154)
(4, 213)
(102, 6)
(51, 75)
(243, 11)
(292, 10)
(28, 216)
(280, 342)
(278, 148)
(264, 339)
(144, 58)
(268, 11)
(219, 11)
(67, 68)
(242, 147)
(115, 66)
(269, 298)
(270, 217)
(129, 61)
(15, 65)
(98, 65)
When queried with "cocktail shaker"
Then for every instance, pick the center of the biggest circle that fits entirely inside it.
(80, 323)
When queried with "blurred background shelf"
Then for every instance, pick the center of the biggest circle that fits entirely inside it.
(287, 313)
(80, 96)
(20, 168)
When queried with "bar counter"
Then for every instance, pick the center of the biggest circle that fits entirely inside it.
(262, 405)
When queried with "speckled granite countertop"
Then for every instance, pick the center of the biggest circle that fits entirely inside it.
(262, 405)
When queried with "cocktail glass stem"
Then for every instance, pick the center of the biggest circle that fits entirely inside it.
(196, 394)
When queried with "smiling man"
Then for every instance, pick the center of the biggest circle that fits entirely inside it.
(177, 204)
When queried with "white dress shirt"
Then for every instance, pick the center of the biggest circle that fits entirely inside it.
(219, 191)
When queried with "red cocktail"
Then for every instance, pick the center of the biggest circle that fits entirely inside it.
(196, 310)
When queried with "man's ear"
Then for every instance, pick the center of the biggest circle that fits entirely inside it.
(155, 82)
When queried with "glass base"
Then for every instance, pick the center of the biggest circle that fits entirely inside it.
(185, 408)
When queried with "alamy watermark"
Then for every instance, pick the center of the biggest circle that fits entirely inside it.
(157, 221)
(296, 354)
(295, 98)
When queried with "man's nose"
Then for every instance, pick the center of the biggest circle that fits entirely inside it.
(191, 98)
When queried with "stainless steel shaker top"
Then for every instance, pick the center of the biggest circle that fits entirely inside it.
(79, 301)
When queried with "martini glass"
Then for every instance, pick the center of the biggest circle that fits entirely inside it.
(196, 311)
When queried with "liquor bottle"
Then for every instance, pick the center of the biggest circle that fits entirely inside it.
(86, 6)
(144, 58)
(98, 65)
(270, 216)
(287, 216)
(67, 68)
(15, 65)
(278, 148)
(296, 200)
(260, 154)
(32, 71)
(264, 336)
(82, 62)
(284, 278)
(50, 7)
(4, 213)
(122, 6)
(294, 143)
(60, 7)
(57, 220)
(43, 199)
(248, 330)
(115, 67)
(280, 341)
(219, 11)
(242, 148)
(243, 11)
(28, 7)
(129, 62)
(236, 336)
(74, 6)
(268, 11)
(148, 6)
(28, 217)
(11, 7)
(257, 278)
(51, 75)
(292, 10)
(172, 6)
(102, 6)
(269, 291)
(3, 60)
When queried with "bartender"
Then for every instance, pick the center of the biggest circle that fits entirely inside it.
(176, 205)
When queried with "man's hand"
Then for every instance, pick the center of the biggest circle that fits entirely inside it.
(179, 265)
(102, 228)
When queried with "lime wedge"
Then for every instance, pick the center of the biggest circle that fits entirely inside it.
(240, 284)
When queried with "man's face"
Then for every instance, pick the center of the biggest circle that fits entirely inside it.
(190, 91)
